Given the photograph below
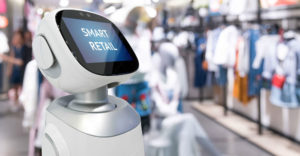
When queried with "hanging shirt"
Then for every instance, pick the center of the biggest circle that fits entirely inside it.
(243, 56)
(266, 50)
(225, 48)
(240, 87)
(292, 66)
(296, 48)
(254, 75)
(290, 62)
(200, 73)
(4, 48)
(212, 39)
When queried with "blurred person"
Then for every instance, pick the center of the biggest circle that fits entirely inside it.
(169, 75)
(28, 95)
(151, 27)
(28, 38)
(168, 80)
(136, 91)
(27, 51)
(14, 68)
(179, 133)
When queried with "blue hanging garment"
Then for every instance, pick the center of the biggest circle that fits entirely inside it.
(200, 73)
(254, 76)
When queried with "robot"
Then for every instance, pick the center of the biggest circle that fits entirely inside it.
(84, 54)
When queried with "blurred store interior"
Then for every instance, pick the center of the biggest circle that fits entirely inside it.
(216, 77)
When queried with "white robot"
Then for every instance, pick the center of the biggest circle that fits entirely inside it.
(84, 54)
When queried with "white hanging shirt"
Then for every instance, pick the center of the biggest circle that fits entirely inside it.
(225, 53)
(266, 50)
(244, 58)
(212, 38)
(4, 48)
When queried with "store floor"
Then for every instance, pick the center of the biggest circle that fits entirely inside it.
(14, 140)
(227, 142)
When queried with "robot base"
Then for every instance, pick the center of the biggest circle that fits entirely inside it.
(93, 134)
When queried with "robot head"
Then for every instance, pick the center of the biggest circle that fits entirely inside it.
(79, 51)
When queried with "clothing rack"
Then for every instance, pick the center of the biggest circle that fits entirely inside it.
(259, 124)
(261, 16)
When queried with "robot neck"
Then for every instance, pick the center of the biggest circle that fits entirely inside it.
(92, 101)
(97, 96)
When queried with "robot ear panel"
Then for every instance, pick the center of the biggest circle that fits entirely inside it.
(42, 52)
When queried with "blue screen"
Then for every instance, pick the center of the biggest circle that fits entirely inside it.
(97, 41)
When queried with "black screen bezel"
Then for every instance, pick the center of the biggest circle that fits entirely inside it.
(101, 68)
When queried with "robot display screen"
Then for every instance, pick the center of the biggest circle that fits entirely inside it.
(97, 41)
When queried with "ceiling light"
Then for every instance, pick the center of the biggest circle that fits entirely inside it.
(63, 3)
(39, 11)
(151, 12)
(89, 1)
(112, 1)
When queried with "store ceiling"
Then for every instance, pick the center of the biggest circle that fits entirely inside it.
(55, 3)
(84, 3)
